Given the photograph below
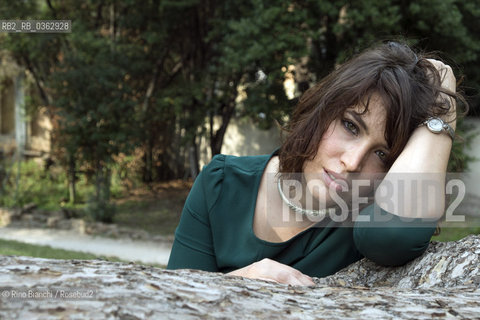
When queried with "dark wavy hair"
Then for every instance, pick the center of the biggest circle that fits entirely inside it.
(407, 83)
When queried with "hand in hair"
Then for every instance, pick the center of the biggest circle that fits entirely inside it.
(449, 83)
(446, 74)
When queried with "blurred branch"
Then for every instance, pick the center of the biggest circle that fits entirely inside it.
(54, 12)
(39, 82)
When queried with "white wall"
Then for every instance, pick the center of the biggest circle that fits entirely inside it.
(243, 138)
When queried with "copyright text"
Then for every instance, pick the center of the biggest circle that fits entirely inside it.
(44, 294)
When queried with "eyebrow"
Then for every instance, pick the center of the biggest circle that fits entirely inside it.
(359, 120)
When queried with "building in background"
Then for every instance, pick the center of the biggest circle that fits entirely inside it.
(22, 132)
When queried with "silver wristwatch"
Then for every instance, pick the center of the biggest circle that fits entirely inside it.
(437, 125)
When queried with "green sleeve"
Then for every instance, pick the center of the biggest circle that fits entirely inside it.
(193, 245)
(391, 240)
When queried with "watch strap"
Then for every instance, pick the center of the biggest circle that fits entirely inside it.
(445, 127)
(448, 128)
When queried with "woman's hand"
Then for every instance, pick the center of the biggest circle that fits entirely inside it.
(450, 83)
(446, 74)
(271, 270)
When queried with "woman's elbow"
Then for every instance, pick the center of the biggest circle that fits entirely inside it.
(392, 246)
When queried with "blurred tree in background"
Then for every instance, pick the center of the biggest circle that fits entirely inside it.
(147, 79)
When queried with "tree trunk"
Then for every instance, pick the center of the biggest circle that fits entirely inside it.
(148, 165)
(102, 183)
(101, 209)
(108, 184)
(443, 283)
(98, 181)
(72, 180)
(193, 157)
(216, 140)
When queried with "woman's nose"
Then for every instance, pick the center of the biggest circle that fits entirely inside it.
(353, 157)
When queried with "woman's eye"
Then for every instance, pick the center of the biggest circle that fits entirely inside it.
(382, 155)
(350, 126)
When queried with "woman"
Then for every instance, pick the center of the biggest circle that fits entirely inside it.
(376, 114)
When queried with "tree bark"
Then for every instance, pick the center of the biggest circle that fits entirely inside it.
(216, 140)
(193, 157)
(72, 180)
(443, 283)
(148, 166)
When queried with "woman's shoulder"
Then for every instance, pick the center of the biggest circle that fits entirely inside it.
(222, 162)
(232, 173)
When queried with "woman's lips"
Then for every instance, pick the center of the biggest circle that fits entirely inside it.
(333, 181)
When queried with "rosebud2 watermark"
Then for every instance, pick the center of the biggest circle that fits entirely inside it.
(409, 195)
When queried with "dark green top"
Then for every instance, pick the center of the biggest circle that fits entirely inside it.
(215, 232)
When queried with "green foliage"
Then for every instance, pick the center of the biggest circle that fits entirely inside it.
(49, 190)
(146, 79)
(46, 189)
(255, 44)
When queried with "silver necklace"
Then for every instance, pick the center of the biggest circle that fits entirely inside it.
(296, 208)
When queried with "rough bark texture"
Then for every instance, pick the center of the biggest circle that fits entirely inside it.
(443, 283)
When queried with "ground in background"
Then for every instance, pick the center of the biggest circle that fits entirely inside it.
(156, 208)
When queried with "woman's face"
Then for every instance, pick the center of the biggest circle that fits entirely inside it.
(353, 147)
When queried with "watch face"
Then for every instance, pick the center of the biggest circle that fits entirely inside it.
(435, 125)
